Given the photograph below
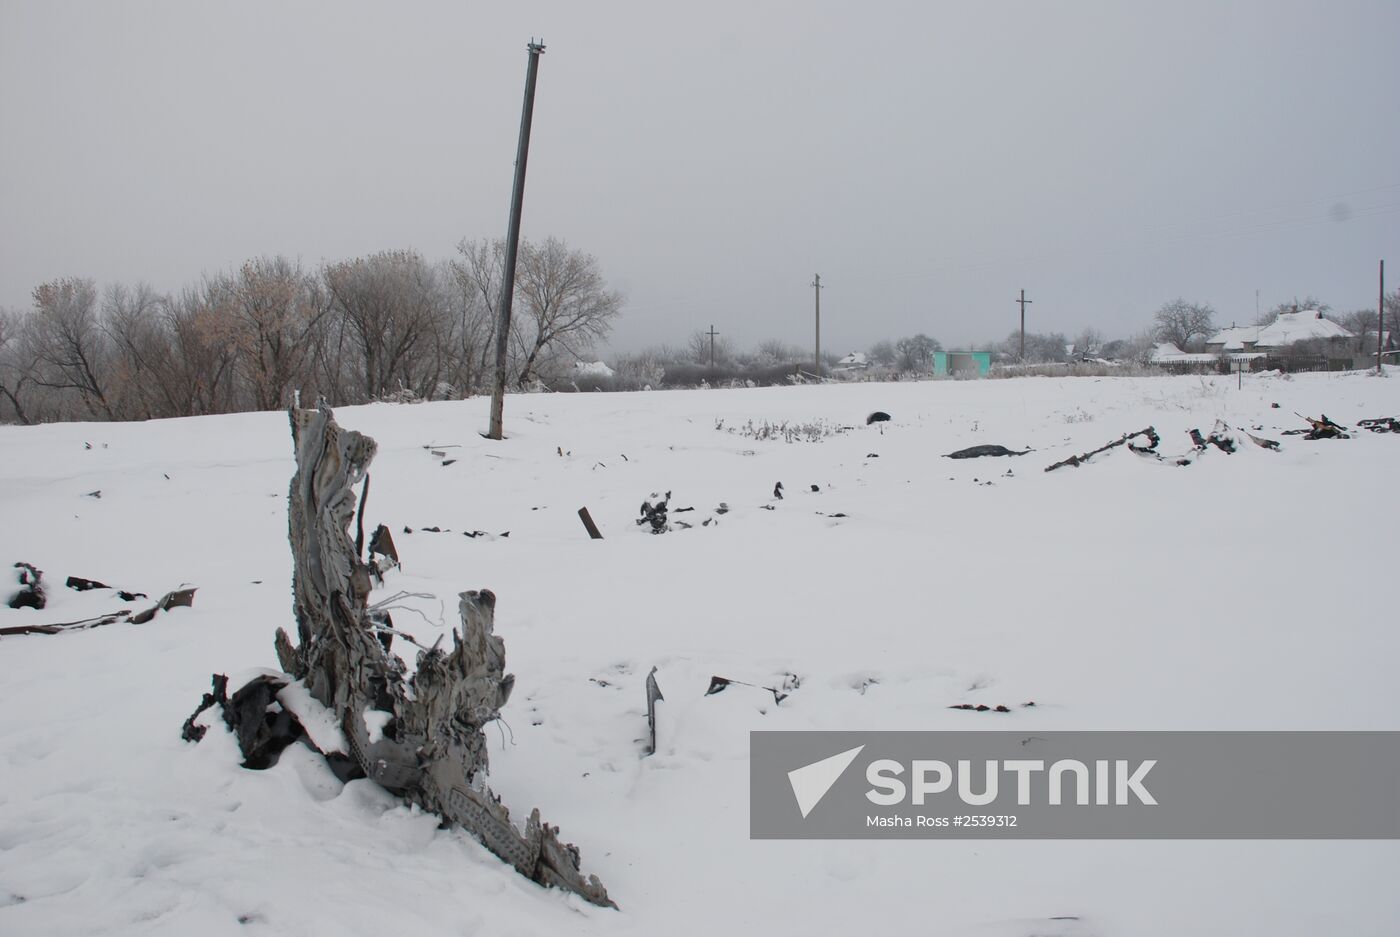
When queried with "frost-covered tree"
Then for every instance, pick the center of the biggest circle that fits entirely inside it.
(1179, 322)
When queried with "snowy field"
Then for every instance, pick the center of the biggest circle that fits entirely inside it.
(1245, 591)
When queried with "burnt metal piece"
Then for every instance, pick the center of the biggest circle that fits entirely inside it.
(31, 591)
(1150, 448)
(653, 697)
(977, 452)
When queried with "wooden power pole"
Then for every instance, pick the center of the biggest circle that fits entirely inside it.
(1024, 302)
(712, 333)
(817, 289)
(1380, 319)
(517, 201)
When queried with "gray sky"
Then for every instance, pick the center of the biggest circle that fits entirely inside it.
(928, 159)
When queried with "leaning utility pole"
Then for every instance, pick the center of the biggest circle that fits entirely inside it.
(1023, 301)
(712, 333)
(1380, 319)
(517, 201)
(817, 289)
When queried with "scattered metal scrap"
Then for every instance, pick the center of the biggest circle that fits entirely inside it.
(179, 598)
(182, 597)
(977, 452)
(791, 682)
(79, 584)
(260, 716)
(1149, 434)
(984, 708)
(593, 532)
(1383, 424)
(879, 416)
(1261, 442)
(62, 626)
(1219, 438)
(383, 555)
(653, 697)
(1321, 429)
(655, 514)
(31, 592)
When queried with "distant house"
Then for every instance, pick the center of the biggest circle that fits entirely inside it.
(1292, 327)
(1288, 329)
(592, 369)
(1168, 355)
(1235, 339)
(855, 361)
(1366, 349)
(1367, 344)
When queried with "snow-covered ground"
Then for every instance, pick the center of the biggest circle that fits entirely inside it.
(1246, 591)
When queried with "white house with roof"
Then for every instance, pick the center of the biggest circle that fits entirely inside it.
(1288, 328)
(1235, 339)
(855, 361)
(1302, 326)
(592, 369)
(1167, 353)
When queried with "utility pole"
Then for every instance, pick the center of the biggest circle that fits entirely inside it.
(1024, 302)
(712, 333)
(817, 289)
(517, 201)
(1380, 319)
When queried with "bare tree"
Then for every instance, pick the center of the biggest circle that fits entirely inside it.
(1179, 322)
(15, 373)
(564, 302)
(884, 354)
(775, 351)
(1088, 341)
(1041, 348)
(1363, 323)
(388, 301)
(271, 307)
(69, 346)
(139, 351)
(915, 353)
(199, 376)
(477, 275)
(697, 348)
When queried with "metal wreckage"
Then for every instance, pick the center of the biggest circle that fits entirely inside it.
(417, 734)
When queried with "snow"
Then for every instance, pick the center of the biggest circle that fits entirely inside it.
(1108, 594)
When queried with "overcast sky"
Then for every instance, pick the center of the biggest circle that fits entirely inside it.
(928, 159)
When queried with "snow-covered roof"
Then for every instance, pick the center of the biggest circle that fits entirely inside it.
(593, 369)
(855, 357)
(1165, 350)
(1292, 327)
(1168, 353)
(1235, 338)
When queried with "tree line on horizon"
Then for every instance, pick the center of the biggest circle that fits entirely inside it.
(394, 326)
(389, 325)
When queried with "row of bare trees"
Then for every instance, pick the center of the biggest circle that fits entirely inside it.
(389, 325)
